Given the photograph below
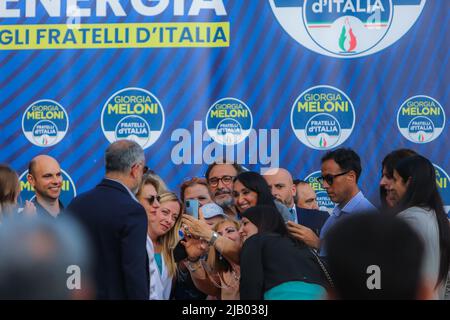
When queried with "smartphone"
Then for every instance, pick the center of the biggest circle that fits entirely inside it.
(192, 206)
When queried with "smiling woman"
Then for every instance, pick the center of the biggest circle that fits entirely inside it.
(251, 189)
(164, 221)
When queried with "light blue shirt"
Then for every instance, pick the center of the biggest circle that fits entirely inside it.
(293, 212)
(357, 204)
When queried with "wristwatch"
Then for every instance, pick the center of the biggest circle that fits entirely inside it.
(213, 239)
(193, 266)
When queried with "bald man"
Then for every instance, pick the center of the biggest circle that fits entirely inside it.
(306, 196)
(305, 224)
(44, 175)
(282, 185)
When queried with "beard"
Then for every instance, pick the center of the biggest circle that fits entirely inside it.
(225, 203)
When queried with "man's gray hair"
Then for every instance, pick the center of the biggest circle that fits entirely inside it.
(121, 155)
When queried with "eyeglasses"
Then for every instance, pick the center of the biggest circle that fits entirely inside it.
(329, 178)
(214, 182)
(151, 199)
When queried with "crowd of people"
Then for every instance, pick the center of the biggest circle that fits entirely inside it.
(231, 234)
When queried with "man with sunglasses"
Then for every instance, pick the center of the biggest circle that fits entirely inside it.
(341, 170)
(117, 225)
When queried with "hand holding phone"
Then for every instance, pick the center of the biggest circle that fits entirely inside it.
(192, 206)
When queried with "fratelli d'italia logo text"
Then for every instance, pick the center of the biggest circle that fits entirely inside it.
(347, 28)
(421, 119)
(134, 114)
(45, 123)
(322, 117)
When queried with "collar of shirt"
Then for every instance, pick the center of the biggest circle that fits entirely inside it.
(41, 210)
(351, 206)
(128, 189)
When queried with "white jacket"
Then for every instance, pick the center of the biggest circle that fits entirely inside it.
(160, 284)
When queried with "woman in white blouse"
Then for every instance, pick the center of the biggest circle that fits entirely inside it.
(164, 222)
(420, 205)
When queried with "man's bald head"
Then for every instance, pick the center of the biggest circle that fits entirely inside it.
(306, 196)
(281, 184)
(40, 161)
(44, 175)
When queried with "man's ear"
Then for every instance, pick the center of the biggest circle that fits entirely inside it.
(352, 175)
(30, 179)
(133, 170)
(294, 190)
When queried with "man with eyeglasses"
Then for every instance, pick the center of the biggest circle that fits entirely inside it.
(117, 225)
(220, 176)
(341, 170)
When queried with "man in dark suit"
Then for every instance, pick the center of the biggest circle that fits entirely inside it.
(304, 224)
(117, 225)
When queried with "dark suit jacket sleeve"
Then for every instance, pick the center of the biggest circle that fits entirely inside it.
(252, 275)
(134, 255)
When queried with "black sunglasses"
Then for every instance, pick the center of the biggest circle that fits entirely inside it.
(151, 199)
(329, 178)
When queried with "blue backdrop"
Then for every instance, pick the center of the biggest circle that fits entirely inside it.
(253, 57)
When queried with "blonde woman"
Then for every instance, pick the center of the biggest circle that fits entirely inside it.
(164, 221)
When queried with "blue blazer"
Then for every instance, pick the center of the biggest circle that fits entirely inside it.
(117, 228)
(312, 218)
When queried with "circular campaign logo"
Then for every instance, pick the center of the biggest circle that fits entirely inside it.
(68, 190)
(45, 123)
(443, 183)
(229, 121)
(322, 117)
(421, 119)
(133, 114)
(346, 28)
(323, 200)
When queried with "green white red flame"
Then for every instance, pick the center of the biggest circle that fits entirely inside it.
(347, 39)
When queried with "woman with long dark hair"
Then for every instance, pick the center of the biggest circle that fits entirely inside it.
(387, 197)
(251, 189)
(274, 265)
(420, 205)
